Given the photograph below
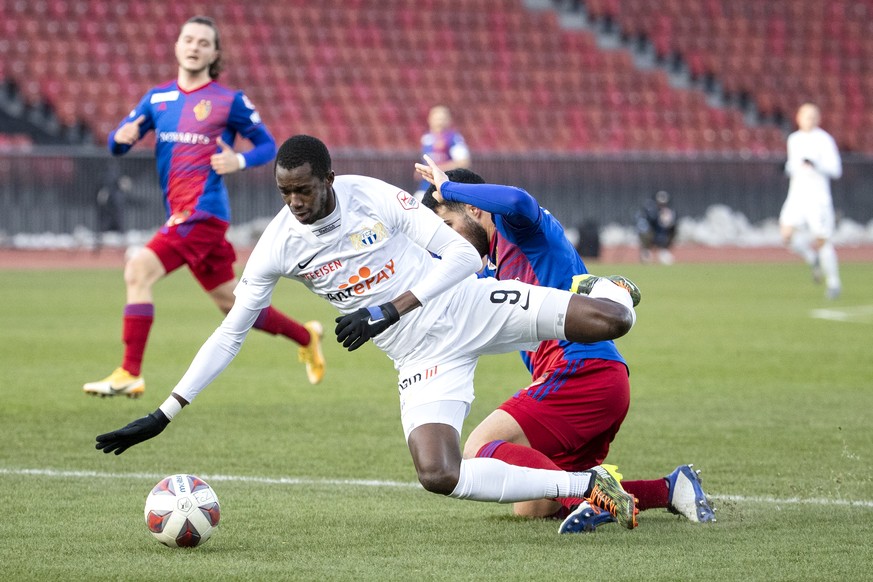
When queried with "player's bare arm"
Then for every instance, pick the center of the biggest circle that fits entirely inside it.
(406, 302)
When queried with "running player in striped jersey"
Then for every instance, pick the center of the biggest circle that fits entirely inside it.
(367, 247)
(568, 416)
(195, 120)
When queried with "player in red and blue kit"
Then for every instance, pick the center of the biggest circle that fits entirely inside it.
(194, 119)
(568, 416)
(443, 144)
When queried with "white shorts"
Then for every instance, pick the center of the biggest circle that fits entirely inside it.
(484, 316)
(450, 412)
(817, 217)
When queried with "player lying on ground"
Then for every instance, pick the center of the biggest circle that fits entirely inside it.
(367, 247)
(571, 412)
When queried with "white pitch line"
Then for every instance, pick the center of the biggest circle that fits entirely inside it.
(855, 314)
(208, 477)
(794, 501)
(386, 484)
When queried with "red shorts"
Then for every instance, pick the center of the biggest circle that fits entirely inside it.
(573, 414)
(200, 244)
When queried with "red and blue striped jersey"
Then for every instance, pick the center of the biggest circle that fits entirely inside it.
(187, 125)
(441, 147)
(530, 245)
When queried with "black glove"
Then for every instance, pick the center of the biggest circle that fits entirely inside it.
(141, 429)
(354, 329)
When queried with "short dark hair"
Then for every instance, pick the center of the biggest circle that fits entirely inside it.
(216, 67)
(460, 175)
(300, 149)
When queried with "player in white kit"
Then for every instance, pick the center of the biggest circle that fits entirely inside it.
(367, 247)
(813, 161)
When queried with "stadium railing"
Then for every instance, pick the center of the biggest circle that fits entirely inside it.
(54, 190)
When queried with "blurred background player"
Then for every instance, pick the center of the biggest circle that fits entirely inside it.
(656, 227)
(195, 120)
(111, 199)
(580, 394)
(813, 161)
(442, 144)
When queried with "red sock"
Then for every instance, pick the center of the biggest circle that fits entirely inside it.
(650, 494)
(527, 457)
(275, 322)
(138, 318)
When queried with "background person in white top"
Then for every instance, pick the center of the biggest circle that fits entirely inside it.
(365, 246)
(813, 161)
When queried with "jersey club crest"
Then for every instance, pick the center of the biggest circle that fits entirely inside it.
(202, 109)
(369, 236)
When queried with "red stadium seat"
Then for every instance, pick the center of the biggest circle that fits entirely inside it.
(366, 76)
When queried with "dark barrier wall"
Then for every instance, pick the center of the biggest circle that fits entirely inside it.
(55, 190)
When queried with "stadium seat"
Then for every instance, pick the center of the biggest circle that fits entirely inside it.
(749, 45)
(501, 69)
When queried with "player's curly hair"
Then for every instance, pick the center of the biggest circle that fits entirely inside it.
(216, 67)
(460, 175)
(300, 149)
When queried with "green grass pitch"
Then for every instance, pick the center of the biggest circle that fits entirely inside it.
(732, 368)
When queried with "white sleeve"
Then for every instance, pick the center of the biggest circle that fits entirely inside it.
(218, 351)
(459, 261)
(829, 162)
(423, 227)
(795, 158)
(459, 152)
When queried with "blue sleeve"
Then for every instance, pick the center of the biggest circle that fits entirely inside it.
(518, 208)
(245, 120)
(142, 108)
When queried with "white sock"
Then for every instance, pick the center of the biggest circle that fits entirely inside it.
(484, 479)
(606, 289)
(804, 249)
(827, 256)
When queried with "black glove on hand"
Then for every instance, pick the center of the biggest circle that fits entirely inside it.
(354, 329)
(137, 431)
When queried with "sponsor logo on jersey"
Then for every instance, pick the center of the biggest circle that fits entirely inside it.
(407, 382)
(165, 96)
(407, 200)
(304, 264)
(202, 109)
(322, 270)
(327, 228)
(183, 137)
(363, 281)
(368, 236)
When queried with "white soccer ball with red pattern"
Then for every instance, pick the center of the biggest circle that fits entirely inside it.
(182, 511)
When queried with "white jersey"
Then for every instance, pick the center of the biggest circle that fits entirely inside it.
(370, 250)
(812, 185)
(374, 247)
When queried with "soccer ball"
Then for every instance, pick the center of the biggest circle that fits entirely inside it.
(182, 511)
